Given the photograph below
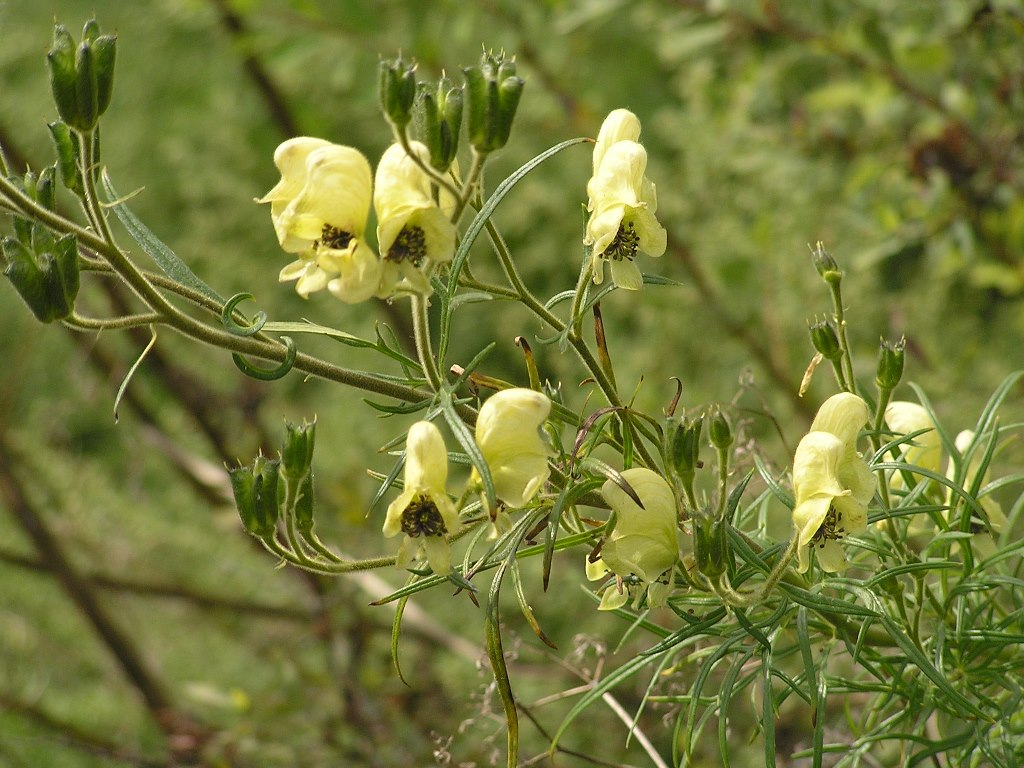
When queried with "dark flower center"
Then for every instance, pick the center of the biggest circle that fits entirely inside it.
(332, 237)
(410, 245)
(421, 518)
(830, 529)
(625, 244)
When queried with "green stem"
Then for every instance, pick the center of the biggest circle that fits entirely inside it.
(582, 350)
(424, 348)
(86, 142)
(840, 314)
(259, 346)
(83, 323)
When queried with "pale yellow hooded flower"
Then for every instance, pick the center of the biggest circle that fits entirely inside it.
(319, 209)
(413, 232)
(923, 451)
(644, 542)
(832, 483)
(424, 512)
(622, 203)
(509, 433)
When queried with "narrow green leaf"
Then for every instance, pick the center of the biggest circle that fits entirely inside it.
(164, 257)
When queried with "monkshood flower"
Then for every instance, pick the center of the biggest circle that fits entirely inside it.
(412, 230)
(319, 210)
(644, 542)
(622, 203)
(509, 435)
(424, 512)
(831, 481)
(925, 450)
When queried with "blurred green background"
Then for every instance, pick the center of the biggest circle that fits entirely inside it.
(891, 131)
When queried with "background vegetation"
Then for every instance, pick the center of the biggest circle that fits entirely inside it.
(140, 625)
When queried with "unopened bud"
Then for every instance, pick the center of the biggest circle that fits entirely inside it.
(825, 339)
(82, 77)
(492, 95)
(719, 430)
(825, 264)
(890, 364)
(297, 451)
(439, 120)
(397, 91)
(256, 495)
(47, 280)
(686, 446)
(710, 548)
(67, 156)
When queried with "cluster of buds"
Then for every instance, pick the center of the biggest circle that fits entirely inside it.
(268, 491)
(490, 99)
(82, 76)
(42, 268)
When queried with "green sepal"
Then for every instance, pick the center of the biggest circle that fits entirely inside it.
(304, 506)
(686, 446)
(710, 548)
(397, 91)
(492, 97)
(255, 489)
(104, 53)
(64, 75)
(297, 451)
(67, 156)
(47, 282)
(25, 275)
(87, 88)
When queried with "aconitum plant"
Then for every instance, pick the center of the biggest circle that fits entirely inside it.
(894, 595)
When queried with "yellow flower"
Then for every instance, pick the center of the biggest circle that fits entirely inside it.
(412, 231)
(424, 512)
(831, 481)
(644, 542)
(509, 435)
(319, 210)
(622, 203)
(925, 450)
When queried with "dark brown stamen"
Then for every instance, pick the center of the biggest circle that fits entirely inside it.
(410, 245)
(421, 518)
(332, 237)
(625, 244)
(830, 530)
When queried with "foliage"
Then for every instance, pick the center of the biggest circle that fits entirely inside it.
(891, 132)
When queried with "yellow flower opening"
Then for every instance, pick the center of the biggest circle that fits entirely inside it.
(644, 542)
(622, 203)
(319, 210)
(510, 437)
(424, 512)
(413, 232)
(832, 483)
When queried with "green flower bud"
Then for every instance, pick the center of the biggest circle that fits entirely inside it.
(890, 364)
(492, 94)
(304, 506)
(710, 548)
(719, 430)
(439, 120)
(67, 156)
(397, 91)
(686, 446)
(256, 495)
(47, 280)
(825, 339)
(825, 264)
(82, 78)
(297, 452)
